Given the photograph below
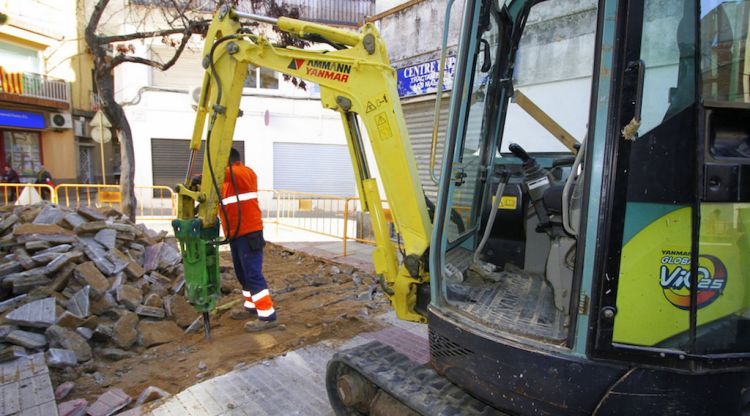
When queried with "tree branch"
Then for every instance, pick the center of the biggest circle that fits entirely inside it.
(192, 26)
(121, 58)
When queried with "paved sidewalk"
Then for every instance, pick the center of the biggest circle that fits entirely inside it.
(292, 384)
(25, 388)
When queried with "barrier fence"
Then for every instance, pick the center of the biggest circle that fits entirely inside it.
(328, 215)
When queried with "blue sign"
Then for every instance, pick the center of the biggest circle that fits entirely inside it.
(423, 78)
(10, 118)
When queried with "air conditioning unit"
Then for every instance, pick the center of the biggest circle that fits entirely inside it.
(59, 121)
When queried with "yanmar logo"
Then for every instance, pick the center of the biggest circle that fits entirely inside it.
(674, 278)
(323, 69)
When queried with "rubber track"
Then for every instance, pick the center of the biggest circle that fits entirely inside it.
(416, 385)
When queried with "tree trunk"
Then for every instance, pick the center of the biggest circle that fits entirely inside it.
(116, 115)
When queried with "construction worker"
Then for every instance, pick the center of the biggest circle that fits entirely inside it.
(11, 176)
(44, 178)
(243, 226)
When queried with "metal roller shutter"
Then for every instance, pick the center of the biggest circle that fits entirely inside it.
(169, 160)
(419, 120)
(314, 168)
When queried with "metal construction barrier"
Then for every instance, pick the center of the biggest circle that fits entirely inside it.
(153, 202)
(25, 193)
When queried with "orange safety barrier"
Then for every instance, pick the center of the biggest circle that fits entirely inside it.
(154, 202)
(25, 193)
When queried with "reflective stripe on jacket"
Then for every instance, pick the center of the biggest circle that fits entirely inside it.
(245, 198)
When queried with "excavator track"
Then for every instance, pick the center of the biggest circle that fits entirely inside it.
(376, 379)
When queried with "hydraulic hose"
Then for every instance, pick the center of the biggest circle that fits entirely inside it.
(493, 213)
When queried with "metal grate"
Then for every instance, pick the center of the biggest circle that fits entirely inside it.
(443, 347)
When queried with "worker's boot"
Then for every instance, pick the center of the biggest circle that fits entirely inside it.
(259, 325)
(243, 314)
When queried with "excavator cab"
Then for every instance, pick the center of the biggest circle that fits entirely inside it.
(599, 157)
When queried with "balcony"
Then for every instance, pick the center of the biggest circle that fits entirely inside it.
(35, 89)
(332, 12)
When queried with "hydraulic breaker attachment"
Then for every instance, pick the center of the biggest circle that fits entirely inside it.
(200, 258)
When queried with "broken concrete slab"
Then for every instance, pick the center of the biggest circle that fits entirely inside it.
(70, 339)
(12, 303)
(61, 358)
(179, 309)
(103, 333)
(116, 354)
(150, 311)
(169, 257)
(116, 281)
(63, 390)
(11, 353)
(158, 332)
(151, 393)
(118, 264)
(43, 232)
(37, 314)
(151, 257)
(158, 278)
(10, 267)
(86, 333)
(69, 320)
(90, 227)
(9, 221)
(107, 237)
(49, 215)
(26, 339)
(25, 284)
(129, 296)
(109, 403)
(24, 259)
(45, 258)
(74, 220)
(5, 330)
(62, 260)
(133, 269)
(124, 331)
(178, 285)
(35, 246)
(62, 277)
(75, 407)
(87, 273)
(104, 305)
(96, 253)
(91, 214)
(59, 248)
(79, 303)
(154, 300)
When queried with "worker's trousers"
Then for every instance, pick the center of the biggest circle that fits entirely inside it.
(247, 255)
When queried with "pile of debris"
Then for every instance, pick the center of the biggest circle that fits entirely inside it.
(86, 283)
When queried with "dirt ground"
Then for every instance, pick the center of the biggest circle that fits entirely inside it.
(316, 300)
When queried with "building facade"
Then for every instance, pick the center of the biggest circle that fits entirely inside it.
(46, 93)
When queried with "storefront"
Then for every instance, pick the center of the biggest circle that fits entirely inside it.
(21, 146)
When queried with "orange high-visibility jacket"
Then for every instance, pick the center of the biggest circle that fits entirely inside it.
(245, 199)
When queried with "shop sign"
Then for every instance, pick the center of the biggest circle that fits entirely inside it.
(23, 119)
(422, 78)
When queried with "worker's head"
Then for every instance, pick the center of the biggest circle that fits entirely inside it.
(234, 156)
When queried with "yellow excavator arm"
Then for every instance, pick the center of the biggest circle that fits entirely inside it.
(357, 81)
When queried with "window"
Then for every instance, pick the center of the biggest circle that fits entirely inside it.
(262, 78)
(19, 59)
(22, 152)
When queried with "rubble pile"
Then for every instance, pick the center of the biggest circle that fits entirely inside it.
(86, 284)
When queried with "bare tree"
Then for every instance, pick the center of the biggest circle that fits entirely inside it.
(178, 21)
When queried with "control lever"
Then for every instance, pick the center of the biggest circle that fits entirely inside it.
(536, 181)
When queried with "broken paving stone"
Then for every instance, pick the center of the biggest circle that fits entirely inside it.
(61, 358)
(116, 354)
(151, 393)
(179, 285)
(151, 257)
(45, 258)
(70, 339)
(154, 300)
(49, 215)
(95, 252)
(129, 296)
(26, 284)
(86, 333)
(133, 269)
(169, 257)
(62, 277)
(103, 332)
(159, 332)
(60, 248)
(8, 222)
(107, 237)
(24, 259)
(37, 314)
(12, 302)
(104, 305)
(62, 260)
(179, 309)
(158, 278)
(90, 227)
(75, 407)
(118, 264)
(91, 214)
(109, 403)
(26, 339)
(69, 320)
(89, 274)
(5, 330)
(10, 267)
(43, 232)
(79, 303)
(37, 245)
(63, 390)
(150, 311)
(74, 220)
(116, 281)
(124, 332)
(11, 353)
